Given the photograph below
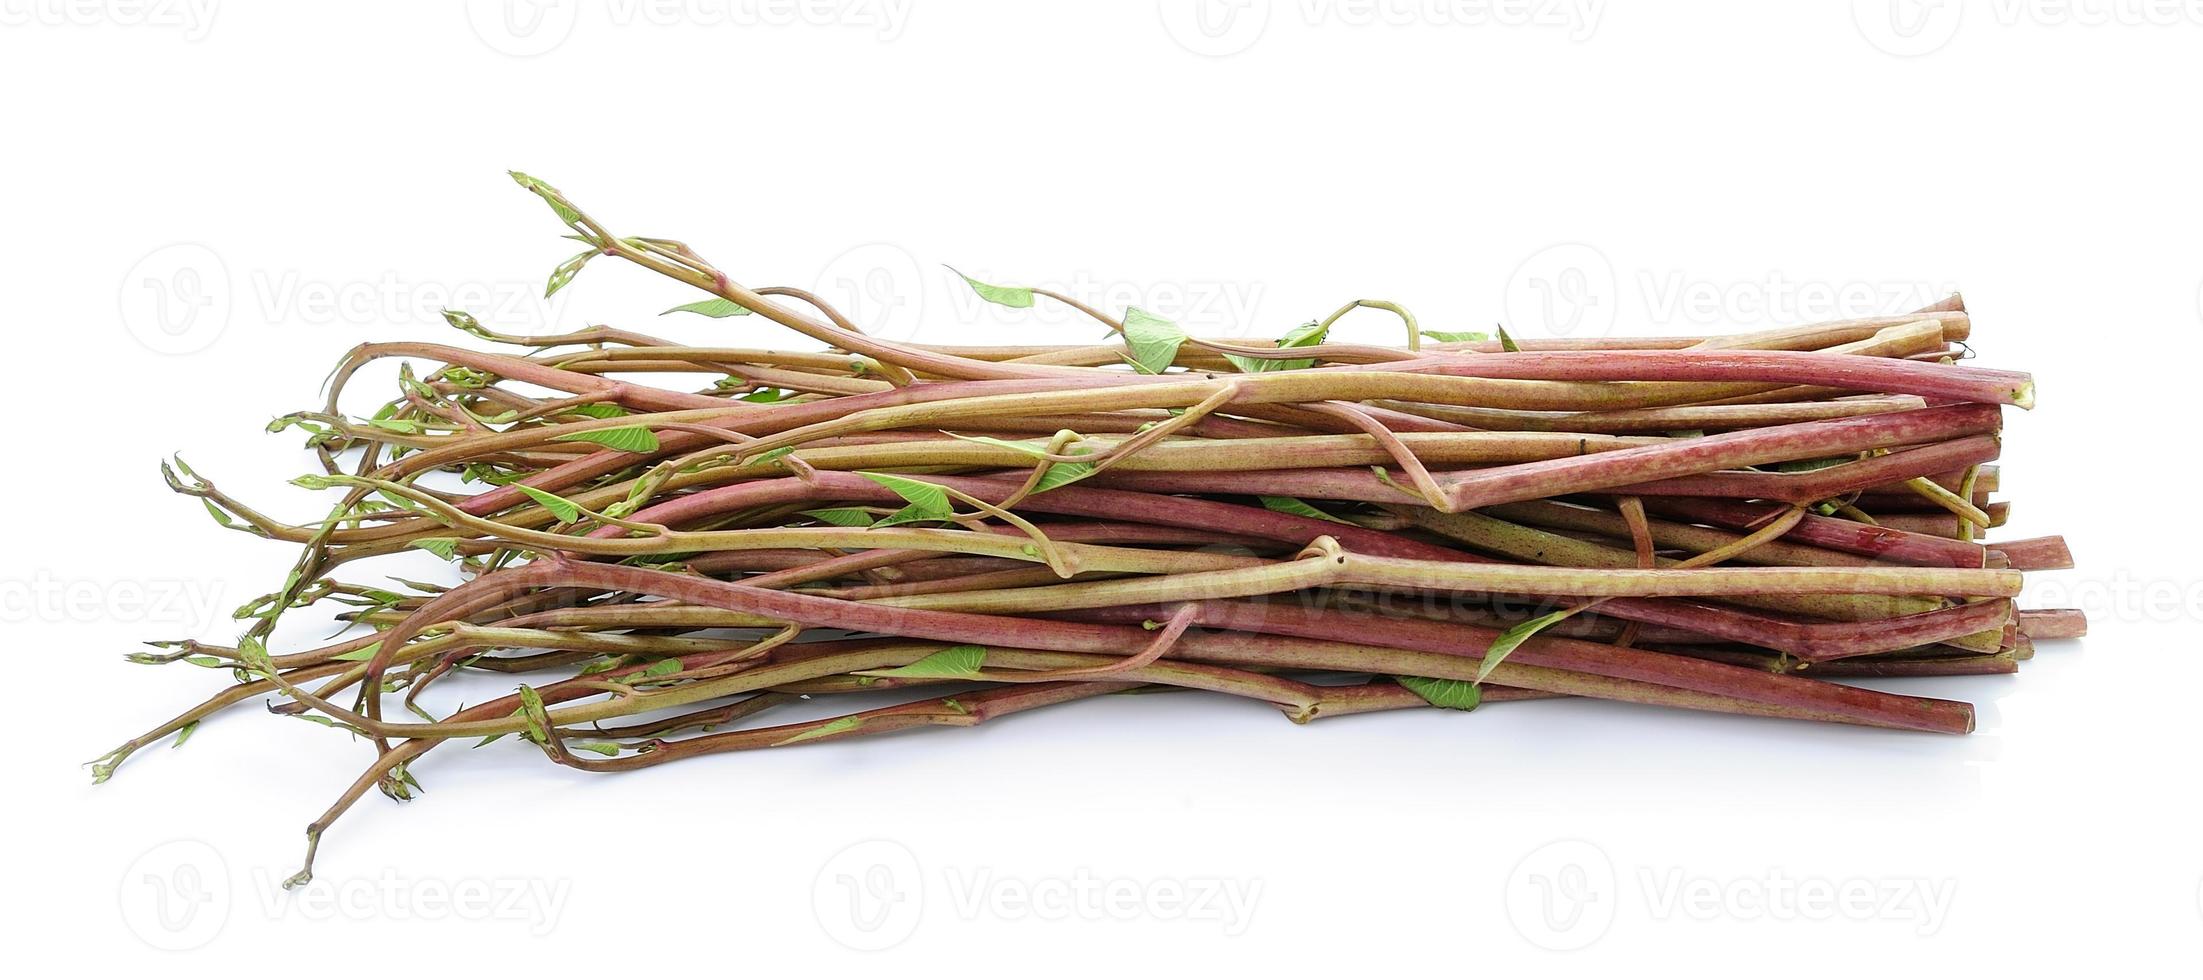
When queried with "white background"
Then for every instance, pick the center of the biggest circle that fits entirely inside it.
(295, 178)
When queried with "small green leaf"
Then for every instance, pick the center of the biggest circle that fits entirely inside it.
(1507, 343)
(765, 396)
(626, 438)
(1152, 340)
(566, 272)
(1306, 335)
(912, 514)
(842, 516)
(1457, 336)
(1057, 474)
(670, 665)
(184, 734)
(928, 502)
(361, 655)
(1297, 507)
(444, 548)
(714, 307)
(203, 661)
(835, 727)
(1515, 636)
(1019, 297)
(773, 455)
(1805, 465)
(466, 322)
(1458, 695)
(597, 411)
(539, 718)
(550, 196)
(600, 748)
(560, 507)
(954, 663)
(254, 655)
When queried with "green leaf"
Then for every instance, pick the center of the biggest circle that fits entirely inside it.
(465, 321)
(597, 411)
(773, 455)
(835, 727)
(765, 396)
(1457, 336)
(626, 438)
(444, 548)
(1057, 474)
(1019, 297)
(539, 719)
(550, 196)
(1515, 636)
(954, 663)
(600, 748)
(1152, 340)
(1458, 695)
(184, 734)
(912, 514)
(203, 661)
(1507, 343)
(1306, 335)
(566, 272)
(1298, 508)
(361, 655)
(928, 502)
(1805, 465)
(842, 516)
(254, 655)
(714, 307)
(560, 507)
